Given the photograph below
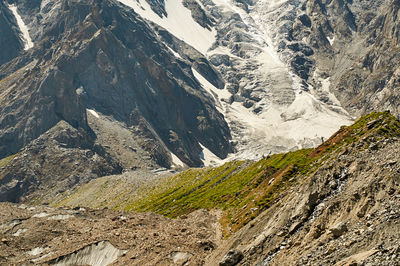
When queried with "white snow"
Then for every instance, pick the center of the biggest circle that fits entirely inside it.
(60, 217)
(177, 161)
(20, 231)
(97, 254)
(209, 158)
(216, 93)
(41, 215)
(37, 251)
(331, 40)
(178, 22)
(279, 128)
(28, 44)
(93, 112)
(173, 52)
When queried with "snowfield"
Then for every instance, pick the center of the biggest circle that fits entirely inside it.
(282, 125)
(178, 22)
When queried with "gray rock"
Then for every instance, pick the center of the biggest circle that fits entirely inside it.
(198, 14)
(233, 257)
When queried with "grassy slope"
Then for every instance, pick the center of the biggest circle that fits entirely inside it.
(5, 161)
(242, 189)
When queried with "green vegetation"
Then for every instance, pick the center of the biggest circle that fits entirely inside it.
(372, 127)
(5, 161)
(240, 188)
(243, 189)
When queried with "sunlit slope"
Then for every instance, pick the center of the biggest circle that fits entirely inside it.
(241, 189)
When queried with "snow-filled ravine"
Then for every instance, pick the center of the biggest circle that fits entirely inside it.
(25, 37)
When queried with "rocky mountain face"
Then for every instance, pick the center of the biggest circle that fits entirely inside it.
(372, 81)
(69, 155)
(349, 44)
(102, 56)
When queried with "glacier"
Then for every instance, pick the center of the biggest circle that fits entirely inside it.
(286, 115)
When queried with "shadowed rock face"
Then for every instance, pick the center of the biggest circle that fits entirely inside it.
(59, 159)
(99, 55)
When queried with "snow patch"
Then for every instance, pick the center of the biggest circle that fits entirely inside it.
(176, 160)
(331, 40)
(302, 124)
(179, 22)
(28, 44)
(40, 215)
(209, 158)
(36, 251)
(97, 254)
(216, 93)
(20, 231)
(173, 52)
(93, 112)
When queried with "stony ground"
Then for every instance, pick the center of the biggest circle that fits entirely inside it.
(43, 235)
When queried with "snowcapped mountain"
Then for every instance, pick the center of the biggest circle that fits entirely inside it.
(226, 116)
(172, 83)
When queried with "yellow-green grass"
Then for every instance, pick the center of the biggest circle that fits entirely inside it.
(243, 189)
